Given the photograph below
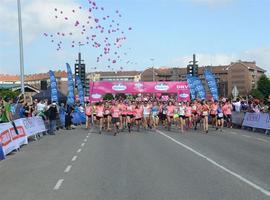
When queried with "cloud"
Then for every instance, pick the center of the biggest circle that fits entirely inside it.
(205, 59)
(38, 16)
(260, 55)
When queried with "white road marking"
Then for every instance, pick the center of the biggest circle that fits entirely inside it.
(85, 140)
(79, 150)
(82, 144)
(74, 158)
(58, 184)
(247, 136)
(87, 136)
(263, 140)
(257, 187)
(68, 168)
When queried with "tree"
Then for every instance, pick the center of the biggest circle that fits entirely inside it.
(108, 97)
(263, 85)
(257, 94)
(8, 93)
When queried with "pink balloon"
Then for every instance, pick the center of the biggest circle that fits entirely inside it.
(55, 9)
(96, 20)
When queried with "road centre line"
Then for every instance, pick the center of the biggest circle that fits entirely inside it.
(247, 136)
(263, 140)
(243, 179)
(82, 144)
(58, 184)
(74, 158)
(68, 168)
(79, 150)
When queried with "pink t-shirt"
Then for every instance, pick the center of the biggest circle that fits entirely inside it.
(227, 109)
(138, 113)
(100, 111)
(115, 112)
(170, 110)
(188, 111)
(88, 110)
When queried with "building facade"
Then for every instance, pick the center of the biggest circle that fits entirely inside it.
(242, 74)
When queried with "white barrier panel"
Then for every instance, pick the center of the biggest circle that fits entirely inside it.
(32, 125)
(11, 140)
(257, 120)
(237, 118)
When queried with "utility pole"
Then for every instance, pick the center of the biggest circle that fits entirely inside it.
(21, 46)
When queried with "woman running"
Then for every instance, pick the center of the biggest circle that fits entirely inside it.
(146, 115)
(213, 113)
(227, 110)
(130, 115)
(170, 112)
(115, 111)
(100, 115)
(181, 112)
(188, 115)
(205, 112)
(220, 117)
(107, 115)
(138, 116)
(154, 115)
(88, 114)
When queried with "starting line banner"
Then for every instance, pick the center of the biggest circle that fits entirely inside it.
(13, 136)
(257, 120)
(97, 89)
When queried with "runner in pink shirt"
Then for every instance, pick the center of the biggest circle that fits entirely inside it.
(170, 112)
(100, 115)
(88, 114)
(130, 115)
(188, 115)
(227, 111)
(138, 115)
(116, 112)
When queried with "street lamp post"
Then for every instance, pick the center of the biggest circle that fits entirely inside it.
(21, 46)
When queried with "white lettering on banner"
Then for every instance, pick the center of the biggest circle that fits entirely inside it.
(257, 120)
(162, 87)
(8, 143)
(182, 87)
(32, 125)
(26, 127)
(119, 87)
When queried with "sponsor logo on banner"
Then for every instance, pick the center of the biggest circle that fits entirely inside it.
(96, 96)
(138, 86)
(182, 86)
(162, 87)
(119, 87)
(184, 95)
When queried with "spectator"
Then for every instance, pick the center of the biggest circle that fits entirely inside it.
(52, 115)
(237, 105)
(6, 110)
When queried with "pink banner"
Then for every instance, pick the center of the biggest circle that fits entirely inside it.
(97, 89)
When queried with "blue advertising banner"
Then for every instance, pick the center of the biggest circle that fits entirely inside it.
(70, 96)
(212, 84)
(199, 89)
(54, 91)
(191, 85)
(80, 90)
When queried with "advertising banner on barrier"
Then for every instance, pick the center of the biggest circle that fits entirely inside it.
(100, 88)
(257, 120)
(7, 144)
(237, 118)
(32, 125)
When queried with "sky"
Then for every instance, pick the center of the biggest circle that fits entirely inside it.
(165, 33)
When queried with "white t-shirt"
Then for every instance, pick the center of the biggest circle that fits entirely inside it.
(40, 107)
(237, 106)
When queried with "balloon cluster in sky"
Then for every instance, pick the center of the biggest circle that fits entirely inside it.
(99, 30)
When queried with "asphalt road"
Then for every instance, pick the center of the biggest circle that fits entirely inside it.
(161, 165)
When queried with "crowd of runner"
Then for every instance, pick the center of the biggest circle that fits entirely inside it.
(120, 115)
